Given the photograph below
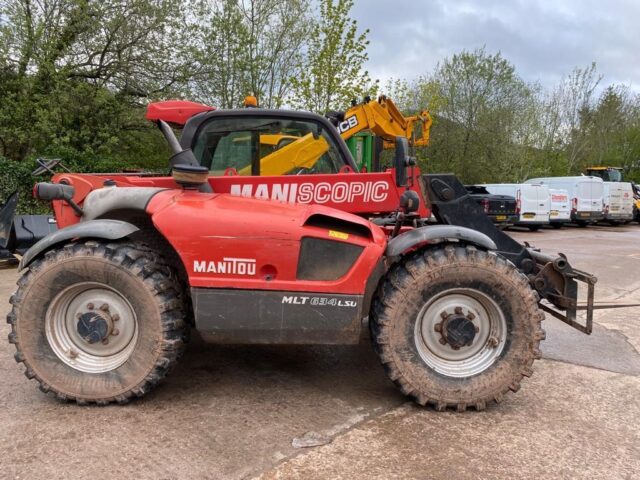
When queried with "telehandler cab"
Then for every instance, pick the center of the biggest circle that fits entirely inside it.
(104, 304)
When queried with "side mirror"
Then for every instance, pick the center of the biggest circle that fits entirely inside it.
(402, 160)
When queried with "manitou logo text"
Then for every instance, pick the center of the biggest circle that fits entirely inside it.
(227, 266)
(321, 192)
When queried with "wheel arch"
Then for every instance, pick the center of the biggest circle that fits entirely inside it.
(436, 234)
(105, 229)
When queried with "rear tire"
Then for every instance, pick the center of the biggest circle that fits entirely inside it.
(556, 225)
(123, 288)
(432, 287)
(535, 228)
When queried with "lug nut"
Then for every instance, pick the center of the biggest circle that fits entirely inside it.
(470, 316)
(105, 341)
(90, 306)
(442, 341)
(455, 347)
(78, 315)
(115, 317)
(115, 332)
(444, 315)
(477, 329)
(73, 354)
(493, 342)
(104, 307)
(458, 310)
(437, 327)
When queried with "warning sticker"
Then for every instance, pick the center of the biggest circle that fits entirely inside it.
(340, 235)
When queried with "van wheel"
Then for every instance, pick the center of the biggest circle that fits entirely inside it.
(556, 225)
(456, 327)
(535, 228)
(582, 224)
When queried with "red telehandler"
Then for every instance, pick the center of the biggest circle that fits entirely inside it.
(454, 308)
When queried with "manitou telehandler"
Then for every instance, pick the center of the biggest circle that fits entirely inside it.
(454, 309)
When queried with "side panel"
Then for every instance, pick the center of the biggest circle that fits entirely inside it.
(359, 193)
(244, 243)
(282, 317)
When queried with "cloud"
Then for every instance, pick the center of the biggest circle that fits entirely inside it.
(545, 40)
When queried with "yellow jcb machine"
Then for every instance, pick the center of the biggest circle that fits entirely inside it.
(373, 125)
(372, 121)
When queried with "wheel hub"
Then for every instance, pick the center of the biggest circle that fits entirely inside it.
(458, 331)
(91, 327)
(94, 327)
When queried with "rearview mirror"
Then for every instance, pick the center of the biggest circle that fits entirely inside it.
(402, 160)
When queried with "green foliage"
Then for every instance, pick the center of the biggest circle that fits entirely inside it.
(75, 76)
(248, 47)
(332, 74)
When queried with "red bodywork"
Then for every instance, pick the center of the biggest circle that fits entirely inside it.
(268, 234)
(365, 194)
(175, 112)
(266, 229)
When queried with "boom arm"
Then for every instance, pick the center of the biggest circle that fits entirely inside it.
(382, 118)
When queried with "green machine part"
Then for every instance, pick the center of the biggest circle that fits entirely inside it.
(365, 149)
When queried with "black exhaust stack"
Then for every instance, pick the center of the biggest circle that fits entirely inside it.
(184, 166)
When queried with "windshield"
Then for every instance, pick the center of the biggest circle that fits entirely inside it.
(266, 146)
(608, 175)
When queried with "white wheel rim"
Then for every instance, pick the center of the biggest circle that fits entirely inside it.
(487, 345)
(61, 327)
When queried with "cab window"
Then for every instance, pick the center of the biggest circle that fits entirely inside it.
(266, 146)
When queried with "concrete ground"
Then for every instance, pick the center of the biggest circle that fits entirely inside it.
(236, 412)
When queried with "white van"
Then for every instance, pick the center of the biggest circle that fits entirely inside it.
(560, 207)
(618, 202)
(585, 193)
(533, 202)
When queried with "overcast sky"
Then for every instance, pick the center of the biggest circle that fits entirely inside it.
(545, 40)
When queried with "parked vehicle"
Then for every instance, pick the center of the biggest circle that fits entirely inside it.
(586, 194)
(636, 201)
(533, 202)
(560, 208)
(501, 209)
(104, 304)
(19, 232)
(618, 202)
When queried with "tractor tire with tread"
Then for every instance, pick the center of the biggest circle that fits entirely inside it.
(418, 282)
(130, 273)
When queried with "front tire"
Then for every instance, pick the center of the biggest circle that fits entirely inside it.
(456, 327)
(98, 323)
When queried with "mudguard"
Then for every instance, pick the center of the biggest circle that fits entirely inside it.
(104, 229)
(437, 234)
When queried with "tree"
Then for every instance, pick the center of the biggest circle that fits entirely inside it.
(332, 72)
(575, 100)
(614, 133)
(248, 47)
(221, 54)
(97, 59)
(484, 115)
